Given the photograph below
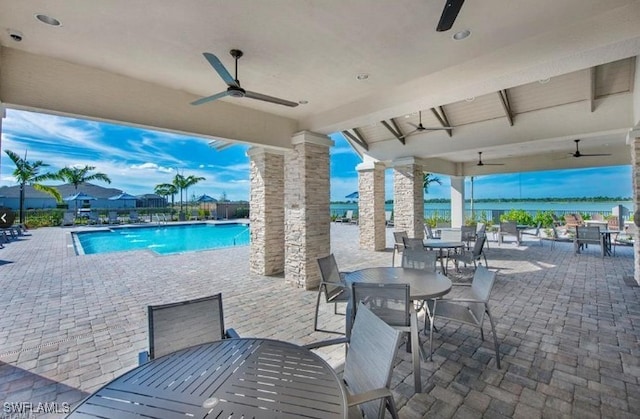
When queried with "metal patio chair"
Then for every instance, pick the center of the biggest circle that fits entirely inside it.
(373, 346)
(473, 256)
(589, 235)
(398, 245)
(419, 259)
(471, 308)
(333, 286)
(392, 303)
(183, 324)
(412, 243)
(535, 233)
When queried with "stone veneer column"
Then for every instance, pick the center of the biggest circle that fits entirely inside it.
(408, 197)
(457, 201)
(266, 213)
(307, 220)
(634, 139)
(371, 214)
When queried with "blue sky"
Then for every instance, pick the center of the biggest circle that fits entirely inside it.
(136, 160)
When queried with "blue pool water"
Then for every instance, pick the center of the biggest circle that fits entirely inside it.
(163, 239)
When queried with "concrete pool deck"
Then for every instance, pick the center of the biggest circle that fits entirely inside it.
(568, 325)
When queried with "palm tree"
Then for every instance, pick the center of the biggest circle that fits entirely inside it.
(78, 175)
(182, 183)
(190, 181)
(166, 189)
(28, 173)
(428, 179)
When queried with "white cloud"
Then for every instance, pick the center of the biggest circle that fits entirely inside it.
(152, 166)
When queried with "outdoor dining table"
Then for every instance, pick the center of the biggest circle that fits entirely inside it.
(441, 245)
(259, 378)
(423, 285)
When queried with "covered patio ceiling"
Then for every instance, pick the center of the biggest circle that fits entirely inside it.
(532, 76)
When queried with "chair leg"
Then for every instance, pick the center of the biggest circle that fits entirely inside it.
(495, 338)
(391, 407)
(415, 352)
(486, 264)
(315, 319)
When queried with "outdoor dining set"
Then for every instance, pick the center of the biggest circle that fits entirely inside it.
(196, 367)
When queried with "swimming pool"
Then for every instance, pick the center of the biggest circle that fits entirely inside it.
(162, 239)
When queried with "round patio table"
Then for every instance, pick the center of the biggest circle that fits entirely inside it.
(442, 245)
(423, 285)
(250, 378)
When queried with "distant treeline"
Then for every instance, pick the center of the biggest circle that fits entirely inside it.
(571, 199)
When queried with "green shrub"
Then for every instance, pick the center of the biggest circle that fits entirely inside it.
(544, 218)
(519, 216)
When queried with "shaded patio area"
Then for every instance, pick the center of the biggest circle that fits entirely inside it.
(568, 325)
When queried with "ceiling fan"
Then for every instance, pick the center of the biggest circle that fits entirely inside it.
(480, 163)
(577, 153)
(234, 89)
(420, 127)
(449, 14)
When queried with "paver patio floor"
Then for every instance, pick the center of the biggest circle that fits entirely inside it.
(568, 325)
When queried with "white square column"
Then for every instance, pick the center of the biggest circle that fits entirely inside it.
(307, 219)
(371, 214)
(457, 201)
(408, 197)
(266, 215)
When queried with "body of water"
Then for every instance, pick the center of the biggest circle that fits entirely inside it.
(163, 239)
(444, 209)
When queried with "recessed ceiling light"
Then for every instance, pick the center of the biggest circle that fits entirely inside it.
(544, 81)
(459, 36)
(362, 76)
(470, 99)
(303, 102)
(48, 20)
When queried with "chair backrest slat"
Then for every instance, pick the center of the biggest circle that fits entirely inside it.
(183, 324)
(451, 235)
(477, 246)
(591, 234)
(412, 243)
(372, 350)
(481, 287)
(330, 275)
(390, 302)
(398, 237)
(419, 259)
(509, 227)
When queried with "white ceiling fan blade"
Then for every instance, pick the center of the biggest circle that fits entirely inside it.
(211, 98)
(270, 99)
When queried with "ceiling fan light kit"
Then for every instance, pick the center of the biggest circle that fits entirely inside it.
(233, 83)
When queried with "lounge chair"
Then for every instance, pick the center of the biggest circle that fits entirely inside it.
(113, 217)
(134, 217)
(388, 218)
(93, 217)
(68, 218)
(348, 217)
(195, 215)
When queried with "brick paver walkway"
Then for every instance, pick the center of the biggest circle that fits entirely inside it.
(568, 325)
